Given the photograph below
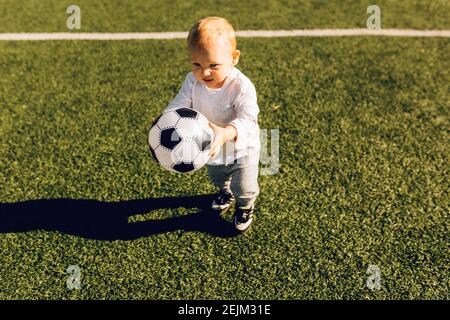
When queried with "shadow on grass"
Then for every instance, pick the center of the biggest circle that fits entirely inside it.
(100, 220)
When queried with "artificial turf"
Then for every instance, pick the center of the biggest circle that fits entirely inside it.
(363, 173)
(363, 149)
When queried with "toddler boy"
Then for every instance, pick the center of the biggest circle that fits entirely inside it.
(227, 98)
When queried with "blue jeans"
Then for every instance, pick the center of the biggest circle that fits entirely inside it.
(239, 178)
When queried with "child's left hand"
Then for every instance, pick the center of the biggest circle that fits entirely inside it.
(221, 135)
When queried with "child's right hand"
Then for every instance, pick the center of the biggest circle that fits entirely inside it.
(221, 135)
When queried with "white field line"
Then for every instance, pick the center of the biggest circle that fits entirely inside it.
(243, 34)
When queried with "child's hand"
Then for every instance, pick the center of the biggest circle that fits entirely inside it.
(221, 135)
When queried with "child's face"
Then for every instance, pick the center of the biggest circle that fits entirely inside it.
(213, 64)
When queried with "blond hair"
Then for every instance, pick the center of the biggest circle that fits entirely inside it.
(208, 30)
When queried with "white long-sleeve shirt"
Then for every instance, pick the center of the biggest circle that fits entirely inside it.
(235, 103)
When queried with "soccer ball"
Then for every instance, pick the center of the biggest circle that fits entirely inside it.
(180, 140)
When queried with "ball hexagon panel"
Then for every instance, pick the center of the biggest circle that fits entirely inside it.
(164, 156)
(154, 137)
(187, 127)
(186, 152)
(168, 120)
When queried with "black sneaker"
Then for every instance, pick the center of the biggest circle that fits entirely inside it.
(243, 219)
(223, 201)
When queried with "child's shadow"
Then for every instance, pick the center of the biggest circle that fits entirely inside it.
(109, 220)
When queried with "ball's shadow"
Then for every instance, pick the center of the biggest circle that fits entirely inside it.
(100, 220)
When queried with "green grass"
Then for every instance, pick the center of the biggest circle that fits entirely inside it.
(363, 180)
(179, 15)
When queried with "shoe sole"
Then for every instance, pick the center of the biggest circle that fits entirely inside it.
(242, 231)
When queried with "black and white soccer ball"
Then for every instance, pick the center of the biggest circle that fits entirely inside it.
(180, 140)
